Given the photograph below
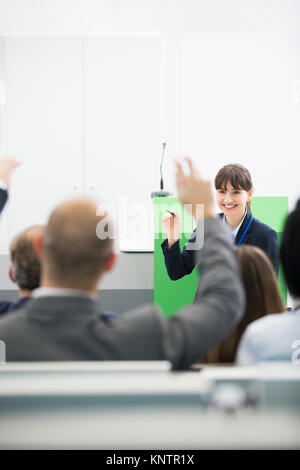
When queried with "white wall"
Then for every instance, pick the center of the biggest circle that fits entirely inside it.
(121, 116)
(95, 87)
(4, 232)
(240, 105)
(85, 17)
(43, 125)
(85, 115)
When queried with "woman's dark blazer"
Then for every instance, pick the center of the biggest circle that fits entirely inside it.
(179, 263)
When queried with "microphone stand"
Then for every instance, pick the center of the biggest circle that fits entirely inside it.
(161, 193)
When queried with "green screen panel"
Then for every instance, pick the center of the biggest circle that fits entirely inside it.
(172, 295)
(273, 211)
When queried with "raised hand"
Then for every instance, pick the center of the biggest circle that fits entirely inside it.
(193, 190)
(7, 166)
(172, 227)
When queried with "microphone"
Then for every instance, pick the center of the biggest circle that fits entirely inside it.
(161, 193)
(162, 159)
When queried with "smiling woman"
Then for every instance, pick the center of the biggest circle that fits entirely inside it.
(234, 188)
(234, 191)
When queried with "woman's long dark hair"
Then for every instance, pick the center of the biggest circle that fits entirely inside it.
(262, 298)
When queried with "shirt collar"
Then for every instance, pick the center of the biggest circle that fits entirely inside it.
(60, 292)
(236, 230)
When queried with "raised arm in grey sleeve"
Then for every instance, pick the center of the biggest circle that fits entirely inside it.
(219, 302)
(145, 334)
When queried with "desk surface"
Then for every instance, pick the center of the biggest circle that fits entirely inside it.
(88, 406)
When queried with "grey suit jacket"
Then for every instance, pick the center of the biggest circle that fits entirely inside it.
(69, 328)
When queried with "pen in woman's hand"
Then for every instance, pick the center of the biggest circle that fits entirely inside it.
(172, 213)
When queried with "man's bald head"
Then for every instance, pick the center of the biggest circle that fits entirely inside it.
(73, 255)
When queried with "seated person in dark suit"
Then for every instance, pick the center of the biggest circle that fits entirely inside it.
(62, 321)
(7, 166)
(24, 269)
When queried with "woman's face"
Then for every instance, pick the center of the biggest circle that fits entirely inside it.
(233, 201)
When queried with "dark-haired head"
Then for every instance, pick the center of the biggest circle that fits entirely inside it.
(290, 251)
(25, 265)
(237, 176)
(259, 279)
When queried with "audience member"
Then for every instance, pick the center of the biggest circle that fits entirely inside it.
(262, 298)
(277, 337)
(24, 269)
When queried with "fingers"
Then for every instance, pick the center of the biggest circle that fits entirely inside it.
(167, 217)
(10, 161)
(14, 162)
(179, 169)
(172, 213)
(192, 170)
(190, 163)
